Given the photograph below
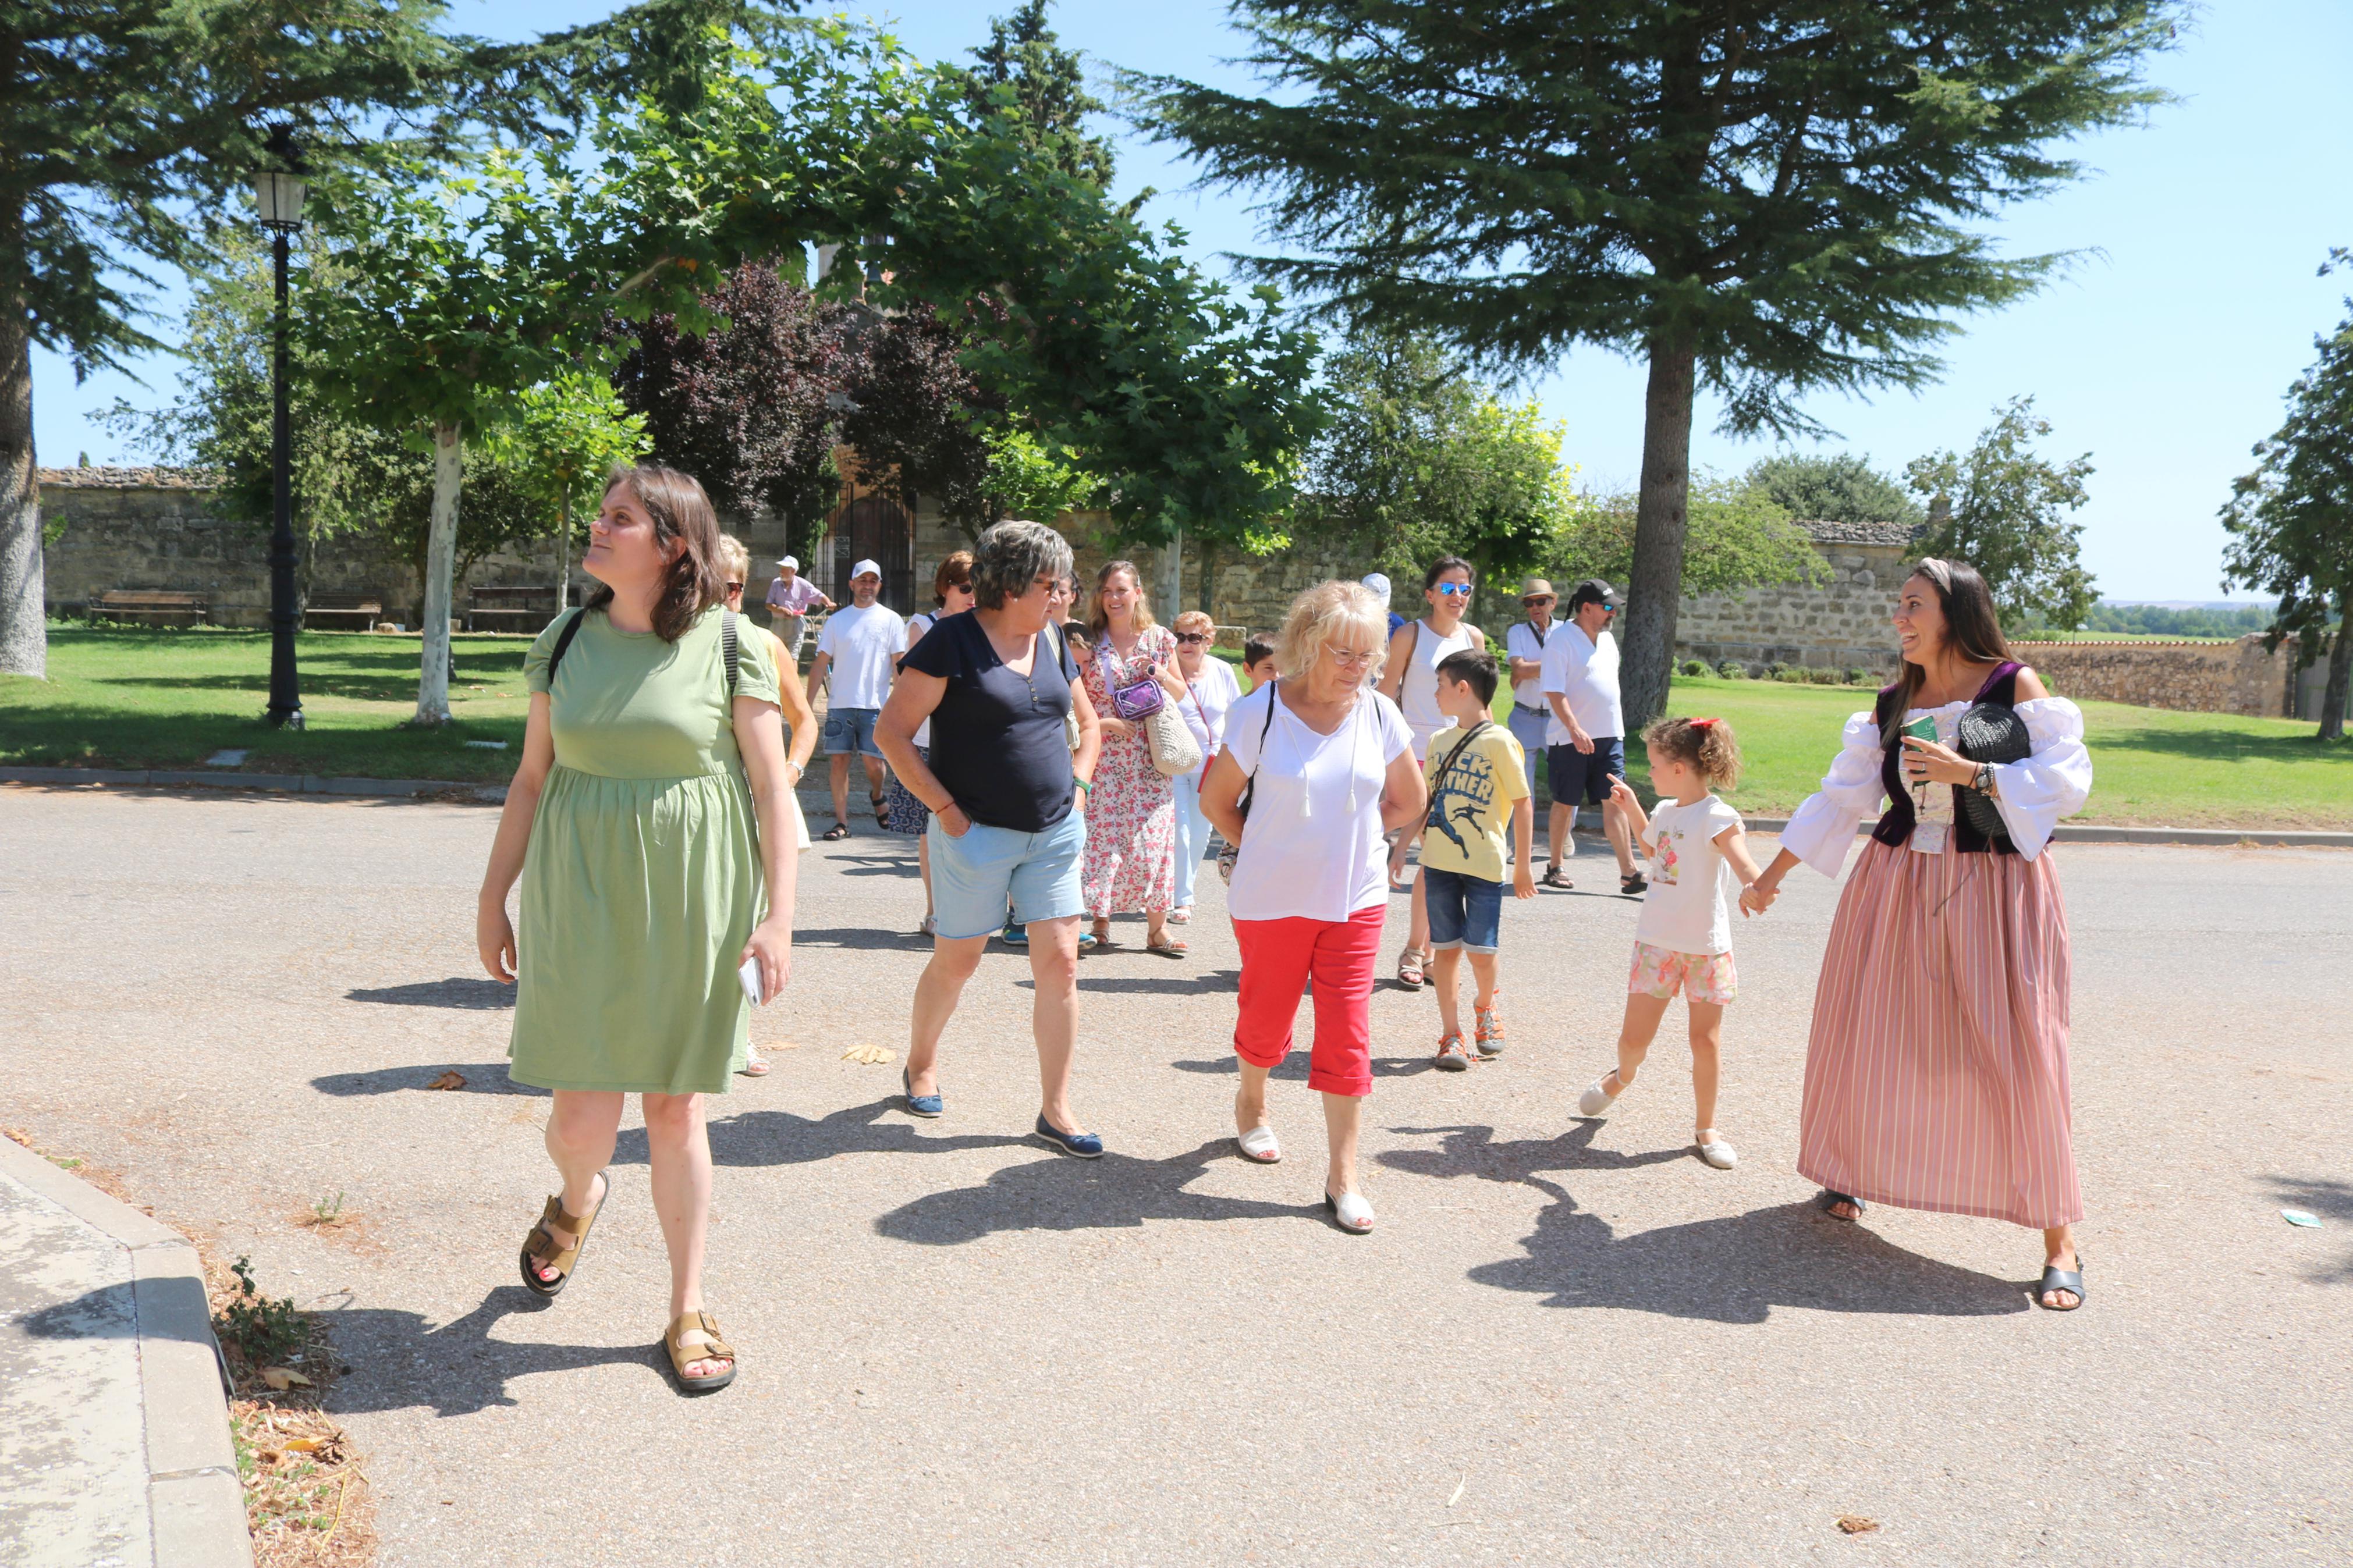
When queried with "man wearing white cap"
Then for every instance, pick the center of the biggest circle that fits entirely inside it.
(860, 647)
(792, 597)
(1378, 582)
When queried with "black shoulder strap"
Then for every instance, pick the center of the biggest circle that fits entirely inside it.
(563, 640)
(1249, 786)
(1451, 756)
(727, 646)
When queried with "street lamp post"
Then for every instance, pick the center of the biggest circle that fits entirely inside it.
(277, 195)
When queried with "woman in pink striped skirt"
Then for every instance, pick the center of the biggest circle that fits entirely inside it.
(1936, 1077)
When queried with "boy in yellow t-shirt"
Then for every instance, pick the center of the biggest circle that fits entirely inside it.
(1478, 790)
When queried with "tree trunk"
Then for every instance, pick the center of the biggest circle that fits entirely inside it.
(1660, 515)
(1205, 589)
(24, 628)
(2340, 671)
(1170, 593)
(440, 561)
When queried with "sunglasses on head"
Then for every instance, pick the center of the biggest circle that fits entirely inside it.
(1452, 590)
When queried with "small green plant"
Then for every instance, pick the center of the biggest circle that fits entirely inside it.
(328, 1212)
(1733, 669)
(1694, 666)
(258, 1328)
(1858, 677)
(1791, 675)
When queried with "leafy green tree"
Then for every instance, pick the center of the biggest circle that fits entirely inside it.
(2003, 508)
(555, 444)
(1767, 198)
(1025, 480)
(1049, 87)
(1741, 537)
(2291, 521)
(124, 124)
(1842, 488)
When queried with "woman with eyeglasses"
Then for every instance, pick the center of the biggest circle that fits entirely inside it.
(1210, 690)
(1410, 680)
(1316, 765)
(901, 811)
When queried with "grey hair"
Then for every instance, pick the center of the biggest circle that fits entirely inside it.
(1321, 613)
(1013, 555)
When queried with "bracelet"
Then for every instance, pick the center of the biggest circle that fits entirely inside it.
(1985, 779)
(1086, 784)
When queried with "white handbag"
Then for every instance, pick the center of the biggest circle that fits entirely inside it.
(1174, 750)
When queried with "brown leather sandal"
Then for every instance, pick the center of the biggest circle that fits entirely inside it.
(709, 1346)
(541, 1248)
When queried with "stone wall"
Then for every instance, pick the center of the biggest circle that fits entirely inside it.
(2193, 677)
(1840, 623)
(153, 528)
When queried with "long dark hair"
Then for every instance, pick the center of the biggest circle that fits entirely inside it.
(1972, 629)
(679, 511)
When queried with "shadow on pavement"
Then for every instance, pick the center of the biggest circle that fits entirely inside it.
(1295, 1065)
(479, 993)
(1202, 984)
(863, 939)
(1117, 1192)
(758, 1138)
(482, 1078)
(2329, 1198)
(458, 1369)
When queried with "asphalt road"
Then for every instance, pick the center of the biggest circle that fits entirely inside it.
(1568, 1341)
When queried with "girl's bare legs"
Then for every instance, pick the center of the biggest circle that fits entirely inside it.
(1342, 1114)
(678, 1146)
(581, 1129)
(1445, 973)
(1707, 1043)
(1634, 1037)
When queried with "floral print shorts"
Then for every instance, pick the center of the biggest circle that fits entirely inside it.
(1661, 972)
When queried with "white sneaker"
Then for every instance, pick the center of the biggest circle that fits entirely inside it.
(1596, 1101)
(1716, 1152)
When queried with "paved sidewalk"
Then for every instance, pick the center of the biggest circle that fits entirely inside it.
(1569, 1342)
(115, 1439)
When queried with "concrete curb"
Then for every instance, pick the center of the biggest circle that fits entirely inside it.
(195, 1504)
(495, 795)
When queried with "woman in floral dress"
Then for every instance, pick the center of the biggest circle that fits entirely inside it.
(1131, 858)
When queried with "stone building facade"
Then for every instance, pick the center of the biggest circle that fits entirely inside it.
(2236, 676)
(1838, 623)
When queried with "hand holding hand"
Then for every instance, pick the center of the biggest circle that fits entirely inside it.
(1756, 898)
(1931, 763)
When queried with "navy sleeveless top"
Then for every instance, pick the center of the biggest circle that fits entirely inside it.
(1896, 825)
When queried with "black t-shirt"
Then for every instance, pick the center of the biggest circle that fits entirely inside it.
(999, 743)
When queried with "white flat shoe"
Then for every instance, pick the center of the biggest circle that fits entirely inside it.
(1350, 1212)
(1596, 1101)
(1718, 1154)
(1259, 1146)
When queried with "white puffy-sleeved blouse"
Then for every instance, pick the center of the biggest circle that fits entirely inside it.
(2051, 782)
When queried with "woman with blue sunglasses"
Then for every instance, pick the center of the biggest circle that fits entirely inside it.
(1410, 680)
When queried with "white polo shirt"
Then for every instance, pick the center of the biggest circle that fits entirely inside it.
(864, 645)
(1523, 641)
(1585, 672)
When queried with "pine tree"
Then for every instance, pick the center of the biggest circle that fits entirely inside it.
(1767, 198)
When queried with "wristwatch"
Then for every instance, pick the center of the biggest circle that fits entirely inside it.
(1985, 780)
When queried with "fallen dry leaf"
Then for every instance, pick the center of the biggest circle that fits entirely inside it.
(1855, 1524)
(279, 1378)
(307, 1445)
(871, 1054)
(453, 1079)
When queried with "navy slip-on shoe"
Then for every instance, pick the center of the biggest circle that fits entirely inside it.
(918, 1104)
(1085, 1145)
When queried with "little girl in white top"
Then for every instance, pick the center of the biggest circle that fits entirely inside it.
(1699, 858)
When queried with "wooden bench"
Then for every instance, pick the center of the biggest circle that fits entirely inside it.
(149, 606)
(358, 611)
(516, 609)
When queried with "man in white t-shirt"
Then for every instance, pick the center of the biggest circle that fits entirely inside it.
(860, 648)
(1523, 648)
(1585, 742)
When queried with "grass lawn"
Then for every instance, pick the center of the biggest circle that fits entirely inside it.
(130, 697)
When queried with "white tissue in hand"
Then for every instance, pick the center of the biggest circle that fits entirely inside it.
(750, 976)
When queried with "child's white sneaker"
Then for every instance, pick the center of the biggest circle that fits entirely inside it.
(1715, 1151)
(1597, 1101)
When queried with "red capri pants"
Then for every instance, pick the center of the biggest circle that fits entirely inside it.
(1280, 956)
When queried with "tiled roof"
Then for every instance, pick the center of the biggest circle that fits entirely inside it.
(130, 478)
(1828, 532)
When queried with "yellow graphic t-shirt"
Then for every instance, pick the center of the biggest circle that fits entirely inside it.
(1471, 800)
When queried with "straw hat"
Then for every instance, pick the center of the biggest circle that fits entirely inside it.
(1537, 589)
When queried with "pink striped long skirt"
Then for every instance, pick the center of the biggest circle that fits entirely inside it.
(1936, 1077)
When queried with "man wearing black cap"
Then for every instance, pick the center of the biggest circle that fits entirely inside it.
(1585, 744)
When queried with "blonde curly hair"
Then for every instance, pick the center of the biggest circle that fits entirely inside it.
(1320, 614)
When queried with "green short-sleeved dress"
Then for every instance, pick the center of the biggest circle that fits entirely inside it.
(642, 880)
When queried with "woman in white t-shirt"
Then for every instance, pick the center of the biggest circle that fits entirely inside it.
(1210, 690)
(1410, 680)
(1326, 764)
(1682, 940)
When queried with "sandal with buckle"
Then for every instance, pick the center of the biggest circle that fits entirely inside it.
(1166, 946)
(1555, 878)
(1488, 1033)
(540, 1248)
(701, 1327)
(1451, 1057)
(1409, 970)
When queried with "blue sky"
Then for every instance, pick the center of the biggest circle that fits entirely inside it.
(2164, 355)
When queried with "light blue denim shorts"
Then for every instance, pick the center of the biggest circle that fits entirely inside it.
(973, 877)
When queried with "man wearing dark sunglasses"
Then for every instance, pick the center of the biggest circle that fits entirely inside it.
(1585, 742)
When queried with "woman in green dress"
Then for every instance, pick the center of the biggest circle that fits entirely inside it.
(646, 855)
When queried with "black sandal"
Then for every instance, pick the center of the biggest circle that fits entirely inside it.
(1553, 879)
(838, 831)
(1629, 885)
(1828, 1200)
(2057, 1278)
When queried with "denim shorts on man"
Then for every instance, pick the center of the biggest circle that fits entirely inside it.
(1464, 911)
(1582, 778)
(972, 877)
(851, 731)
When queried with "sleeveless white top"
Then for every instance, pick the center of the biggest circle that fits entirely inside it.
(1418, 691)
